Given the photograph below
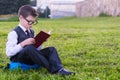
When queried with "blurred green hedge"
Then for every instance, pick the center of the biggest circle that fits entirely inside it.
(11, 6)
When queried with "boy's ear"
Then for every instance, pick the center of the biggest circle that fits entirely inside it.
(20, 17)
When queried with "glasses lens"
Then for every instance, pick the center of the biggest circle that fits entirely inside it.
(32, 22)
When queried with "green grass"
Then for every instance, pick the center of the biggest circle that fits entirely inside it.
(88, 46)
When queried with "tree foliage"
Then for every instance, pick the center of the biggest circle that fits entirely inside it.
(11, 6)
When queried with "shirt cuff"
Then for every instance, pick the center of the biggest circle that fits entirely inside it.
(19, 46)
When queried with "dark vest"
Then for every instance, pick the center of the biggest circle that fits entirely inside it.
(21, 34)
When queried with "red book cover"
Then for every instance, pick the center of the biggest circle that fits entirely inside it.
(40, 38)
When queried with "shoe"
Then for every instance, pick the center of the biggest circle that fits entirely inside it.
(64, 72)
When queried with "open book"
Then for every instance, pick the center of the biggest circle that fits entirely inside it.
(40, 38)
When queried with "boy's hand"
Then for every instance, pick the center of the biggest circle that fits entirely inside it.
(27, 42)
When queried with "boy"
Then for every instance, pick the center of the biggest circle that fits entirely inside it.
(19, 46)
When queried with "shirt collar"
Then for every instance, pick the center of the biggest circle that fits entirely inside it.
(23, 28)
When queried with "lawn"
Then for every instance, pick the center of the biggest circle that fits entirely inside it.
(88, 46)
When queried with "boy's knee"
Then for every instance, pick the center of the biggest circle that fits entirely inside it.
(52, 48)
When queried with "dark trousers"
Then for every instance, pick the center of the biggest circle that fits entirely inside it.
(47, 57)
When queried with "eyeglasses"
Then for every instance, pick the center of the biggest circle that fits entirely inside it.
(31, 22)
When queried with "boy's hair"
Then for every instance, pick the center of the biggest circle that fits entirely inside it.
(27, 10)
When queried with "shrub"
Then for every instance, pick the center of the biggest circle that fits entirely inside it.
(11, 6)
(104, 15)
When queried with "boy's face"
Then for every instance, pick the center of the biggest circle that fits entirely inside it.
(28, 21)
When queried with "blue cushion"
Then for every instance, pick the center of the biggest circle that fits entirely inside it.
(16, 65)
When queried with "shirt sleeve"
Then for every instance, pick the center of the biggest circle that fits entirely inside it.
(12, 48)
(40, 47)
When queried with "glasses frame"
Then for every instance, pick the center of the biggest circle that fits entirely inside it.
(31, 22)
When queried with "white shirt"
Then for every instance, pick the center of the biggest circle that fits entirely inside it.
(12, 48)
